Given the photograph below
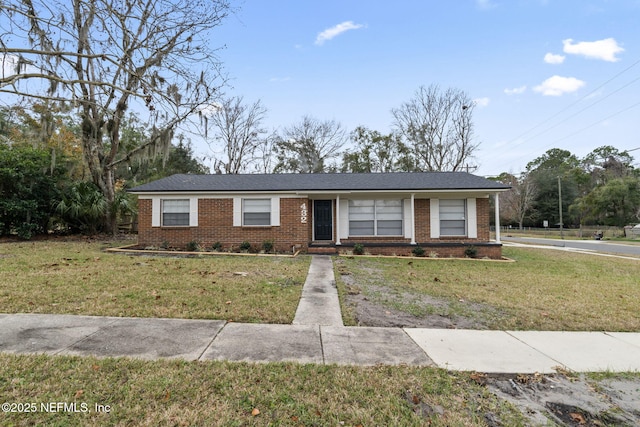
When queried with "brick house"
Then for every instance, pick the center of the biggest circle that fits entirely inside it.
(388, 213)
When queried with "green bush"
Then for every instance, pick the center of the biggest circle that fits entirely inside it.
(28, 190)
(267, 246)
(245, 246)
(358, 249)
(471, 252)
(194, 246)
(217, 246)
(82, 207)
(418, 251)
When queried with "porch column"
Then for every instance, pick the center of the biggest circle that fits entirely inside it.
(337, 219)
(413, 219)
(497, 213)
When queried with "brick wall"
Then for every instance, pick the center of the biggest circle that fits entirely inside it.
(215, 219)
(441, 250)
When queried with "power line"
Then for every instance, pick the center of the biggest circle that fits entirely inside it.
(595, 124)
(582, 110)
(573, 104)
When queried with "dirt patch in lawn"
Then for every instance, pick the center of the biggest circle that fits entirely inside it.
(379, 305)
(571, 400)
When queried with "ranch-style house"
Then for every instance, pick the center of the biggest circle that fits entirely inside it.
(444, 213)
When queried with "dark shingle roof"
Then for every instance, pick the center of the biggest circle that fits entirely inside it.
(419, 181)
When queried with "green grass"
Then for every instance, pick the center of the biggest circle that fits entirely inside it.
(542, 290)
(175, 393)
(79, 278)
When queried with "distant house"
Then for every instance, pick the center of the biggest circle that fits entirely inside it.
(388, 213)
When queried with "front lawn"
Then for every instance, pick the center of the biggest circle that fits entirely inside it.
(541, 290)
(77, 277)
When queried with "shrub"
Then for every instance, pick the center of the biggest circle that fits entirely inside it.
(29, 187)
(165, 245)
(358, 249)
(267, 246)
(194, 246)
(471, 252)
(245, 246)
(217, 246)
(418, 251)
(82, 207)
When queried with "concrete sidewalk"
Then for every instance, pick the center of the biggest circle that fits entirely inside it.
(317, 336)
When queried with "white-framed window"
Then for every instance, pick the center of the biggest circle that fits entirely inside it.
(175, 212)
(256, 212)
(453, 217)
(375, 217)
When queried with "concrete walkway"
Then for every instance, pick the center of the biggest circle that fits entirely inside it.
(317, 336)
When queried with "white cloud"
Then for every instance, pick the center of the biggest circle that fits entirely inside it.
(481, 102)
(605, 49)
(515, 90)
(557, 85)
(551, 58)
(10, 66)
(209, 110)
(335, 31)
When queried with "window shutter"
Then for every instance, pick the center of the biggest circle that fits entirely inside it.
(435, 218)
(193, 212)
(237, 212)
(155, 212)
(408, 219)
(343, 217)
(275, 211)
(472, 219)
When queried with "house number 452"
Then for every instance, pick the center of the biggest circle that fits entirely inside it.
(303, 213)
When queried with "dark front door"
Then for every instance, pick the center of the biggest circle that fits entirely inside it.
(323, 220)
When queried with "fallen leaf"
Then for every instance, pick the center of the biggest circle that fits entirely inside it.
(95, 367)
(578, 418)
(79, 393)
(479, 378)
(228, 302)
(255, 412)
(167, 396)
(157, 296)
(294, 419)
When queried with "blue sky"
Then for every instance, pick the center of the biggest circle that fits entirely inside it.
(544, 73)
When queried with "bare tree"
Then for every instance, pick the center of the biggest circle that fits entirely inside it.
(237, 133)
(375, 152)
(518, 202)
(438, 127)
(264, 156)
(104, 58)
(308, 146)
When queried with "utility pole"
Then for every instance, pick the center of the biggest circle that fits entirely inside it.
(560, 206)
